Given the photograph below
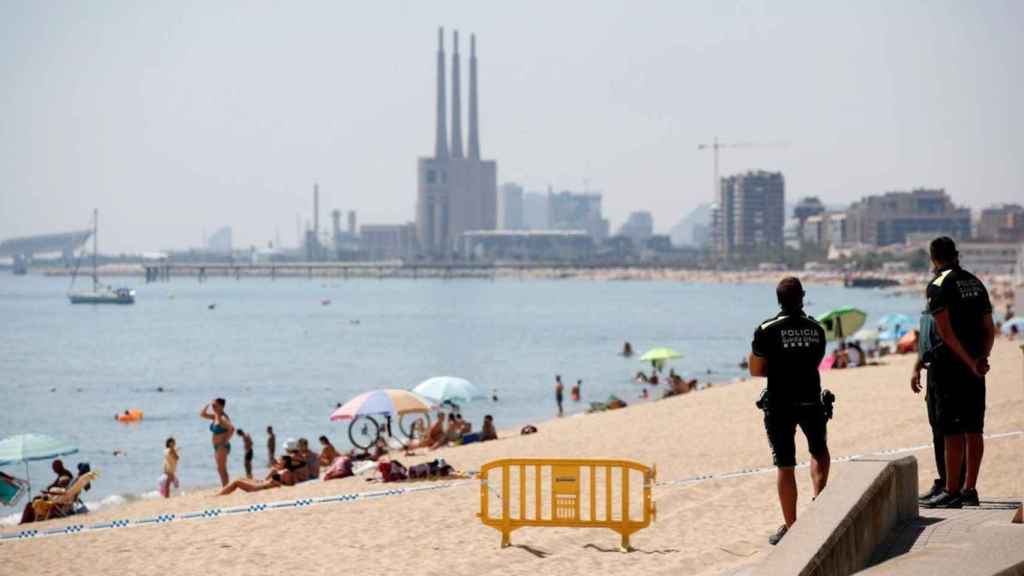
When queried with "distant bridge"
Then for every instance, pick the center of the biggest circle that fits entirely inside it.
(23, 249)
(65, 242)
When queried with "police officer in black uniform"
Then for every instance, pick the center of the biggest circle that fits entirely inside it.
(788, 349)
(960, 306)
(929, 342)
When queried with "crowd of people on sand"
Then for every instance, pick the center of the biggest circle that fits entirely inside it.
(300, 463)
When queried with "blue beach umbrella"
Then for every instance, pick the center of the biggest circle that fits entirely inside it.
(894, 326)
(28, 447)
(1009, 324)
(443, 389)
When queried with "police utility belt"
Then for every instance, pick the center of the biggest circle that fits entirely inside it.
(826, 402)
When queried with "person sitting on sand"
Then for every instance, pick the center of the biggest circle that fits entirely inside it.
(487, 431)
(280, 475)
(327, 452)
(453, 433)
(295, 463)
(312, 459)
(653, 379)
(435, 434)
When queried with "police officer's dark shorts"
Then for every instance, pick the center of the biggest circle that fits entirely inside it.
(781, 423)
(960, 399)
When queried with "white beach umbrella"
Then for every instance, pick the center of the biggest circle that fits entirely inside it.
(442, 389)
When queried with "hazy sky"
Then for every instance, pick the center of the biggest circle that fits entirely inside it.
(175, 118)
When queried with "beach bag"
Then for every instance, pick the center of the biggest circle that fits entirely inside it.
(440, 468)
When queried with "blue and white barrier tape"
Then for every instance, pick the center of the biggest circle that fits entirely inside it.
(770, 469)
(211, 513)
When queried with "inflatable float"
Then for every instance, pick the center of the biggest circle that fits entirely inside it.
(129, 416)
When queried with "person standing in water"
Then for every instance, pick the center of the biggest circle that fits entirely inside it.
(222, 430)
(247, 445)
(170, 475)
(559, 393)
(271, 446)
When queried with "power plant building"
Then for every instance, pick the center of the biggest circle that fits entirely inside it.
(456, 192)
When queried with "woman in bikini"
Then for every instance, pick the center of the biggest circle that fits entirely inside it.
(222, 430)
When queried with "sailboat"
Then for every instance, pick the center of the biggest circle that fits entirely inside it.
(100, 294)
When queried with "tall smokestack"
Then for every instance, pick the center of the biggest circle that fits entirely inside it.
(441, 142)
(456, 101)
(316, 210)
(474, 137)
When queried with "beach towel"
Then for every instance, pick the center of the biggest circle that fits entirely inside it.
(826, 363)
(11, 490)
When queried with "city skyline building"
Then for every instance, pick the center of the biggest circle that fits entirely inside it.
(1001, 223)
(639, 227)
(750, 215)
(568, 210)
(220, 241)
(535, 210)
(886, 219)
(456, 192)
(510, 207)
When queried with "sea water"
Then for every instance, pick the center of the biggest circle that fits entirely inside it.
(285, 352)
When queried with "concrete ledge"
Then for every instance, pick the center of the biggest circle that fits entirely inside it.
(854, 514)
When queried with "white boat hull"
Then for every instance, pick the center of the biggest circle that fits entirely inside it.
(110, 297)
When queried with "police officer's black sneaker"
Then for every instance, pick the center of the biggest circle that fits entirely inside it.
(945, 500)
(935, 491)
(970, 497)
(775, 538)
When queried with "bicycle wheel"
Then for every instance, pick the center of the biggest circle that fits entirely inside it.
(363, 432)
(414, 425)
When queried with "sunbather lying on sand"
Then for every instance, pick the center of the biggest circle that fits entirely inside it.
(282, 474)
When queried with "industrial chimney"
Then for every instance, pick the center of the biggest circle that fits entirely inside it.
(456, 101)
(474, 137)
(441, 141)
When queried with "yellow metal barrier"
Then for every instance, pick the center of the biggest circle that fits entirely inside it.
(519, 492)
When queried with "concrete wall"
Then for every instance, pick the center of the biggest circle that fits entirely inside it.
(854, 514)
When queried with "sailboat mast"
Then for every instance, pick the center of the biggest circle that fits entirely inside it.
(95, 243)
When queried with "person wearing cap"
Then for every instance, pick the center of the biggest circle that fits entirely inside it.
(787, 349)
(293, 462)
(960, 306)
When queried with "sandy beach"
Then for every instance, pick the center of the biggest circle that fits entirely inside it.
(702, 528)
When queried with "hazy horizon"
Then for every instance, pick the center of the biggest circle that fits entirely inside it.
(175, 119)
